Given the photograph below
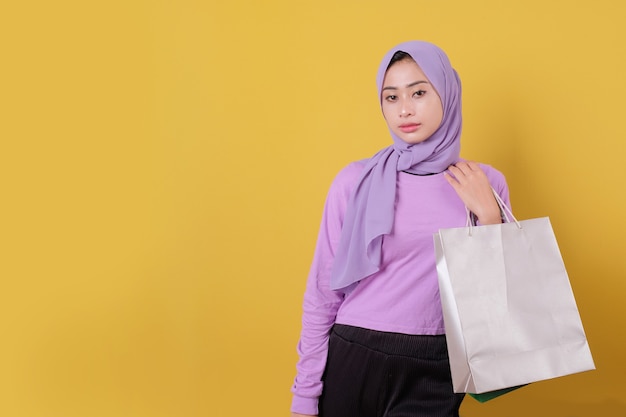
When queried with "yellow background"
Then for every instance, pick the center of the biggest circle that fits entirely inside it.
(163, 166)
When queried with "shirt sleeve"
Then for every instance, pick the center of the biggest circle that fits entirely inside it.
(498, 182)
(320, 302)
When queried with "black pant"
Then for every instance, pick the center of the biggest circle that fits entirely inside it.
(380, 374)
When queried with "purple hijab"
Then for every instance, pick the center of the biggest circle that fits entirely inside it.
(370, 211)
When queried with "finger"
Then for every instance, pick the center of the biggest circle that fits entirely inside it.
(455, 169)
(460, 164)
(458, 173)
(470, 169)
(463, 167)
(475, 167)
(476, 170)
(451, 180)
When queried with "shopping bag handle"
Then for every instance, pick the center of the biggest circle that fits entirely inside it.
(504, 209)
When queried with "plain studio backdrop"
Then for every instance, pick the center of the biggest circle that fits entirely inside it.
(164, 164)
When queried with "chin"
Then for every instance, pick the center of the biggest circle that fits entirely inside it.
(413, 141)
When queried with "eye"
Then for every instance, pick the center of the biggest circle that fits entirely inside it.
(391, 97)
(419, 93)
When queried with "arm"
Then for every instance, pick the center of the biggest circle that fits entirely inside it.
(320, 303)
(472, 185)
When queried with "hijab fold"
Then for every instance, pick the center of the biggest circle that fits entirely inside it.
(370, 212)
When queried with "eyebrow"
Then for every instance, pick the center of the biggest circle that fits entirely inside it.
(407, 86)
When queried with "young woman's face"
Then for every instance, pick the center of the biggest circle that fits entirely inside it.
(411, 106)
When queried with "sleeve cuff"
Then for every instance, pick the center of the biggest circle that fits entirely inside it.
(304, 405)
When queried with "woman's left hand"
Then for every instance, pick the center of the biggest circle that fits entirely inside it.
(472, 185)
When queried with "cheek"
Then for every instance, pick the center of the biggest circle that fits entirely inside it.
(436, 111)
(385, 111)
(430, 111)
(439, 115)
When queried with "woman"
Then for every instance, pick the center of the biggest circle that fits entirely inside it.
(372, 340)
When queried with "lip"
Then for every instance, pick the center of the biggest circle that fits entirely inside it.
(409, 127)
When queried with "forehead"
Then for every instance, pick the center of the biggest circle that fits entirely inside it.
(403, 72)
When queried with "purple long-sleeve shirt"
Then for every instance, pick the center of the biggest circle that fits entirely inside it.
(403, 297)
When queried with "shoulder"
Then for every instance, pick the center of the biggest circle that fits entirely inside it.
(352, 171)
(343, 185)
(494, 175)
(348, 176)
(497, 181)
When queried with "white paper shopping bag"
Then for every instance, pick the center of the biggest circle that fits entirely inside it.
(509, 311)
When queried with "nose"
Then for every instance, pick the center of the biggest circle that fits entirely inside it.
(406, 108)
